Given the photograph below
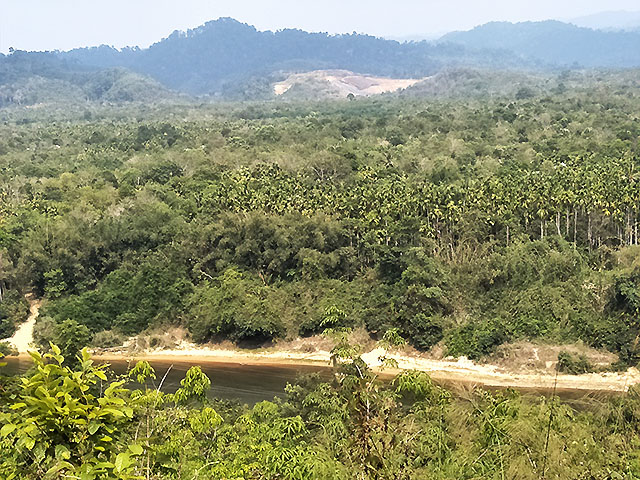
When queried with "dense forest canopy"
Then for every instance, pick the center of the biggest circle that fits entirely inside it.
(463, 223)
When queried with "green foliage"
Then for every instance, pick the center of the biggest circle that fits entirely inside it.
(194, 386)
(142, 372)
(476, 340)
(107, 339)
(574, 364)
(63, 423)
(233, 306)
(71, 337)
(55, 285)
(7, 349)
(13, 310)
(130, 298)
(450, 221)
(59, 426)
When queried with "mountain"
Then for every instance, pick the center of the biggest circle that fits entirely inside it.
(554, 43)
(610, 21)
(235, 60)
(212, 58)
(29, 78)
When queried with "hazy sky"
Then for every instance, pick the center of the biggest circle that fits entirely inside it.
(65, 24)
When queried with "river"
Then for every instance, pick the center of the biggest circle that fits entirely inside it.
(245, 383)
(254, 383)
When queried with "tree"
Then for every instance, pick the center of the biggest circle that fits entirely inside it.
(71, 337)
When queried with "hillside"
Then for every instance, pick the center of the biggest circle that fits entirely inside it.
(221, 53)
(229, 59)
(30, 78)
(554, 43)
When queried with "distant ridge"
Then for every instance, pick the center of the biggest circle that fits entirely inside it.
(231, 59)
(609, 21)
(555, 43)
(209, 58)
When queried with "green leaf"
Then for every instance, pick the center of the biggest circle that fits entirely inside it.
(93, 427)
(7, 429)
(29, 443)
(123, 461)
(136, 449)
(62, 452)
(39, 452)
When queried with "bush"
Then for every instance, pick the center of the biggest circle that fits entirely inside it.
(44, 332)
(573, 364)
(234, 307)
(7, 349)
(7, 328)
(14, 308)
(71, 337)
(129, 298)
(476, 340)
(424, 331)
(107, 339)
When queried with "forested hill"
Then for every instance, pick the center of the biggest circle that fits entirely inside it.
(232, 59)
(29, 78)
(555, 43)
(221, 52)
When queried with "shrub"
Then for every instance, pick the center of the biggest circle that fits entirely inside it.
(14, 308)
(235, 307)
(573, 364)
(107, 339)
(424, 331)
(71, 337)
(7, 349)
(476, 339)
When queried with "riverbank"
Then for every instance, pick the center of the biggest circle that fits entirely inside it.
(462, 371)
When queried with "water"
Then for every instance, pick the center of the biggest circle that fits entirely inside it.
(245, 383)
(254, 383)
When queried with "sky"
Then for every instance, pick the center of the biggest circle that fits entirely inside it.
(66, 24)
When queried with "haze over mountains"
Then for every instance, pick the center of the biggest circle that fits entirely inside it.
(620, 20)
(555, 43)
(229, 58)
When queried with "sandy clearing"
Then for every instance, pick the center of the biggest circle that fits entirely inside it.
(23, 338)
(343, 82)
